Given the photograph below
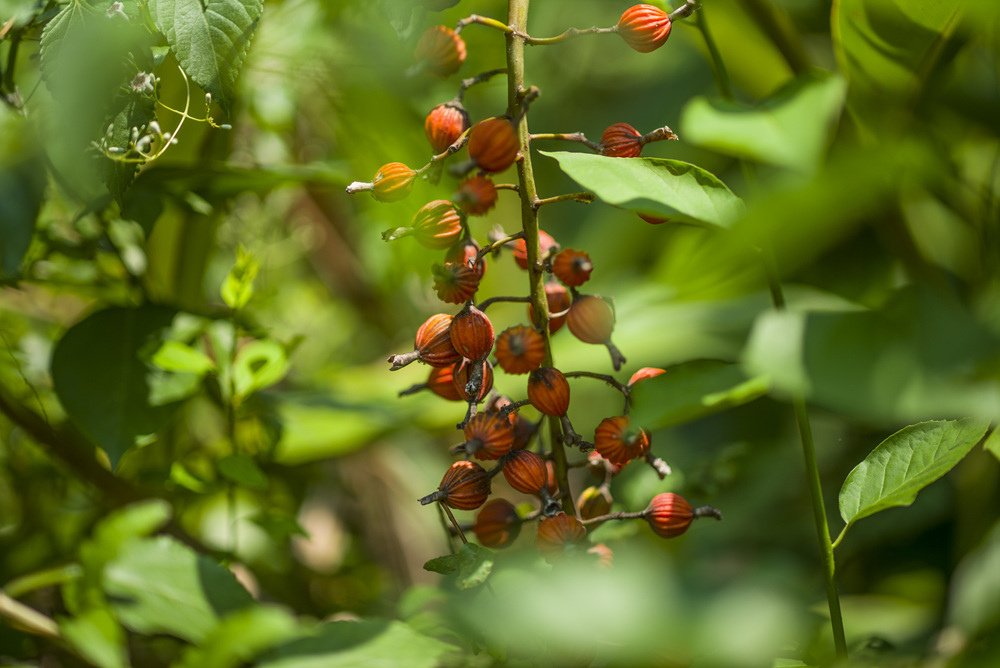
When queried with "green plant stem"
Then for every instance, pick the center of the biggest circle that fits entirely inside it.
(719, 71)
(517, 18)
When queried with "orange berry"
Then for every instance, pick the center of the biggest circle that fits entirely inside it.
(621, 140)
(519, 249)
(669, 514)
(493, 144)
(472, 333)
(548, 391)
(617, 442)
(392, 182)
(441, 50)
(460, 377)
(465, 486)
(558, 299)
(455, 283)
(644, 27)
(572, 267)
(497, 524)
(476, 195)
(525, 471)
(591, 319)
(437, 224)
(444, 124)
(556, 534)
(520, 349)
(488, 436)
(440, 382)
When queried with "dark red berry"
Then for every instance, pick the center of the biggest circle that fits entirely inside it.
(548, 391)
(621, 140)
(488, 436)
(472, 333)
(497, 524)
(669, 514)
(525, 471)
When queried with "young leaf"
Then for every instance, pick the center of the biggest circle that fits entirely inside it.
(182, 358)
(906, 462)
(445, 565)
(242, 470)
(476, 564)
(210, 39)
(237, 288)
(97, 636)
(259, 364)
(678, 191)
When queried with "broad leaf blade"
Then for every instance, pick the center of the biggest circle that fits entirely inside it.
(678, 191)
(22, 187)
(241, 636)
(894, 472)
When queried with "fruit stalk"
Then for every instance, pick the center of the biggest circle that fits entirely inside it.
(517, 19)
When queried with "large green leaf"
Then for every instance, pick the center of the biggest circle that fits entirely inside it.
(101, 380)
(361, 644)
(22, 186)
(789, 129)
(210, 39)
(894, 473)
(161, 586)
(240, 637)
(473, 564)
(691, 390)
(975, 599)
(679, 191)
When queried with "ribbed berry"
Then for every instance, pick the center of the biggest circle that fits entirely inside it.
(437, 224)
(558, 299)
(572, 267)
(525, 471)
(591, 319)
(618, 442)
(465, 486)
(621, 140)
(465, 252)
(644, 27)
(472, 333)
(497, 524)
(493, 144)
(432, 344)
(488, 436)
(444, 124)
(476, 195)
(392, 182)
(519, 249)
(441, 50)
(440, 382)
(548, 391)
(556, 534)
(645, 373)
(520, 349)
(669, 514)
(455, 283)
(483, 376)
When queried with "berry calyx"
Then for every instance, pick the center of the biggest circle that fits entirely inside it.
(519, 249)
(525, 471)
(432, 345)
(497, 524)
(440, 50)
(493, 144)
(455, 283)
(437, 224)
(621, 140)
(669, 514)
(572, 267)
(618, 442)
(558, 534)
(472, 333)
(472, 380)
(548, 391)
(465, 486)
(476, 195)
(392, 182)
(444, 124)
(520, 349)
(644, 27)
(488, 436)
(558, 300)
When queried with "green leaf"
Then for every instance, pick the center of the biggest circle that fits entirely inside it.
(101, 380)
(789, 129)
(182, 358)
(366, 643)
(975, 590)
(992, 443)
(162, 586)
(242, 470)
(240, 637)
(692, 390)
(444, 565)
(906, 462)
(258, 364)
(476, 565)
(209, 38)
(237, 288)
(134, 109)
(96, 635)
(22, 187)
(679, 191)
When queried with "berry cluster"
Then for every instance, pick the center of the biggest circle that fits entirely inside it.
(462, 348)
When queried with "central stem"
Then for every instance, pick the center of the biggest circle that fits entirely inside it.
(517, 19)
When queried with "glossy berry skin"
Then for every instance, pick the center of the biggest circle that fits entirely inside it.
(644, 27)
(433, 341)
(465, 252)
(437, 224)
(519, 249)
(557, 533)
(472, 333)
(525, 471)
(572, 267)
(669, 514)
(619, 443)
(548, 391)
(645, 373)
(488, 436)
(593, 502)
(441, 50)
(591, 319)
(476, 195)
(392, 182)
(455, 283)
(621, 140)
(520, 349)
(440, 383)
(497, 524)
(558, 299)
(493, 144)
(444, 124)
(460, 378)
(466, 486)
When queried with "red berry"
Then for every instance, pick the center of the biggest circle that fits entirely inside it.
(465, 252)
(519, 249)
(617, 442)
(669, 514)
(476, 195)
(572, 267)
(393, 181)
(520, 349)
(653, 220)
(437, 224)
(497, 524)
(558, 299)
(548, 391)
(591, 319)
(441, 50)
(621, 140)
(455, 283)
(472, 333)
(645, 373)
(493, 144)
(644, 27)
(440, 382)
(433, 341)
(460, 377)
(445, 124)
(556, 534)
(525, 471)
(488, 436)
(465, 485)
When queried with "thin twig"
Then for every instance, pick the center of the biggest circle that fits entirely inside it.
(584, 197)
(569, 136)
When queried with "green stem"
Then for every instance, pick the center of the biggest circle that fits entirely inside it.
(779, 28)
(721, 74)
(517, 19)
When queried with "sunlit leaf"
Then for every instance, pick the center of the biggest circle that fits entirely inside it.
(241, 636)
(242, 470)
(181, 358)
(237, 288)
(258, 364)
